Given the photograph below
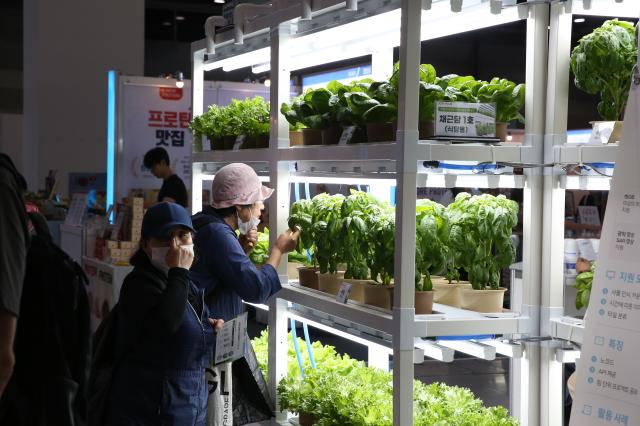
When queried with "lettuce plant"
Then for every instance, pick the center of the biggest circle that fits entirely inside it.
(602, 63)
(584, 281)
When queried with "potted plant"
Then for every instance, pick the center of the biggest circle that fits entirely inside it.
(301, 217)
(311, 110)
(602, 64)
(207, 125)
(381, 260)
(379, 118)
(509, 98)
(255, 122)
(431, 251)
(326, 229)
(480, 231)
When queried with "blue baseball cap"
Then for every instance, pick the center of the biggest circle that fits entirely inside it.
(162, 218)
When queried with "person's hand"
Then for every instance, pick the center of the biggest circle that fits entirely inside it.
(582, 265)
(216, 324)
(249, 241)
(287, 241)
(178, 256)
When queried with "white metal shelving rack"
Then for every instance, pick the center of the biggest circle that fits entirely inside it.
(294, 35)
(567, 330)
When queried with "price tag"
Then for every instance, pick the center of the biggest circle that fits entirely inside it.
(344, 293)
(347, 134)
(239, 141)
(589, 215)
(231, 340)
(466, 119)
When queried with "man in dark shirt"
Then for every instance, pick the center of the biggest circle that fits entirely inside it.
(14, 237)
(173, 189)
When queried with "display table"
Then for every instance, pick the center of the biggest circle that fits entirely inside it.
(105, 282)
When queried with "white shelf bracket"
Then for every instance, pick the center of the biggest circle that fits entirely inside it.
(477, 350)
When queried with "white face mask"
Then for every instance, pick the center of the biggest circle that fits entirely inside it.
(159, 257)
(245, 227)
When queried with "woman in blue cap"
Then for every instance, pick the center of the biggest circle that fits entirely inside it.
(164, 328)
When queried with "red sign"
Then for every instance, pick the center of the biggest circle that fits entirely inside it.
(171, 93)
(169, 119)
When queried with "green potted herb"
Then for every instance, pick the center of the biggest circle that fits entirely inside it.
(260, 253)
(311, 110)
(327, 228)
(509, 99)
(480, 232)
(301, 217)
(602, 64)
(255, 122)
(583, 285)
(381, 260)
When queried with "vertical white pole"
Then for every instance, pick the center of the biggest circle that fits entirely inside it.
(279, 203)
(525, 373)
(406, 169)
(197, 105)
(552, 297)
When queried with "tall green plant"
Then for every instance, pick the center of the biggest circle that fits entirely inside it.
(602, 63)
(326, 222)
(431, 249)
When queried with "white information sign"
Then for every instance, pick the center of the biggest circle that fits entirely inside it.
(608, 377)
(231, 340)
(589, 215)
(465, 119)
(78, 206)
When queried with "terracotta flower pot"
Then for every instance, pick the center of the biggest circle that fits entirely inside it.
(357, 288)
(482, 300)
(228, 141)
(379, 295)
(330, 283)
(426, 129)
(424, 302)
(381, 132)
(448, 293)
(331, 136)
(308, 277)
(311, 137)
(295, 138)
(501, 131)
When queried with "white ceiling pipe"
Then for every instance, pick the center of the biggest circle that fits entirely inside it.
(456, 5)
(306, 10)
(586, 4)
(426, 4)
(352, 5)
(245, 11)
(210, 31)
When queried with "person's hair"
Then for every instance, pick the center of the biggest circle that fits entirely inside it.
(229, 211)
(155, 156)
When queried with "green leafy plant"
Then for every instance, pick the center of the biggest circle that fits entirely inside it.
(383, 231)
(310, 109)
(431, 249)
(326, 230)
(508, 96)
(602, 63)
(260, 252)
(584, 281)
(343, 391)
(480, 235)
(254, 116)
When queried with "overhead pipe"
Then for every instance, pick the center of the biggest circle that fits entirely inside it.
(426, 4)
(241, 13)
(456, 5)
(305, 14)
(352, 5)
(496, 7)
(210, 31)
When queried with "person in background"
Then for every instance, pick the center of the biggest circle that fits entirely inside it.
(14, 240)
(173, 189)
(223, 268)
(164, 329)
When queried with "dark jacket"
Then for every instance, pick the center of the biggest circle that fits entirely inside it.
(165, 333)
(225, 272)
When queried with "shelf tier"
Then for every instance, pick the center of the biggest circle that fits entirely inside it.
(584, 154)
(376, 325)
(568, 328)
(387, 151)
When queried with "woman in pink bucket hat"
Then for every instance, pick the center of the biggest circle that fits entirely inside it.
(222, 267)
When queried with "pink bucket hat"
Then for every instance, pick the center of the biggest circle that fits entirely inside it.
(237, 184)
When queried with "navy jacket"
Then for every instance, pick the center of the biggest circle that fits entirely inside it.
(224, 271)
(165, 332)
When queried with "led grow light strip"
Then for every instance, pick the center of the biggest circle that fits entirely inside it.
(111, 135)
